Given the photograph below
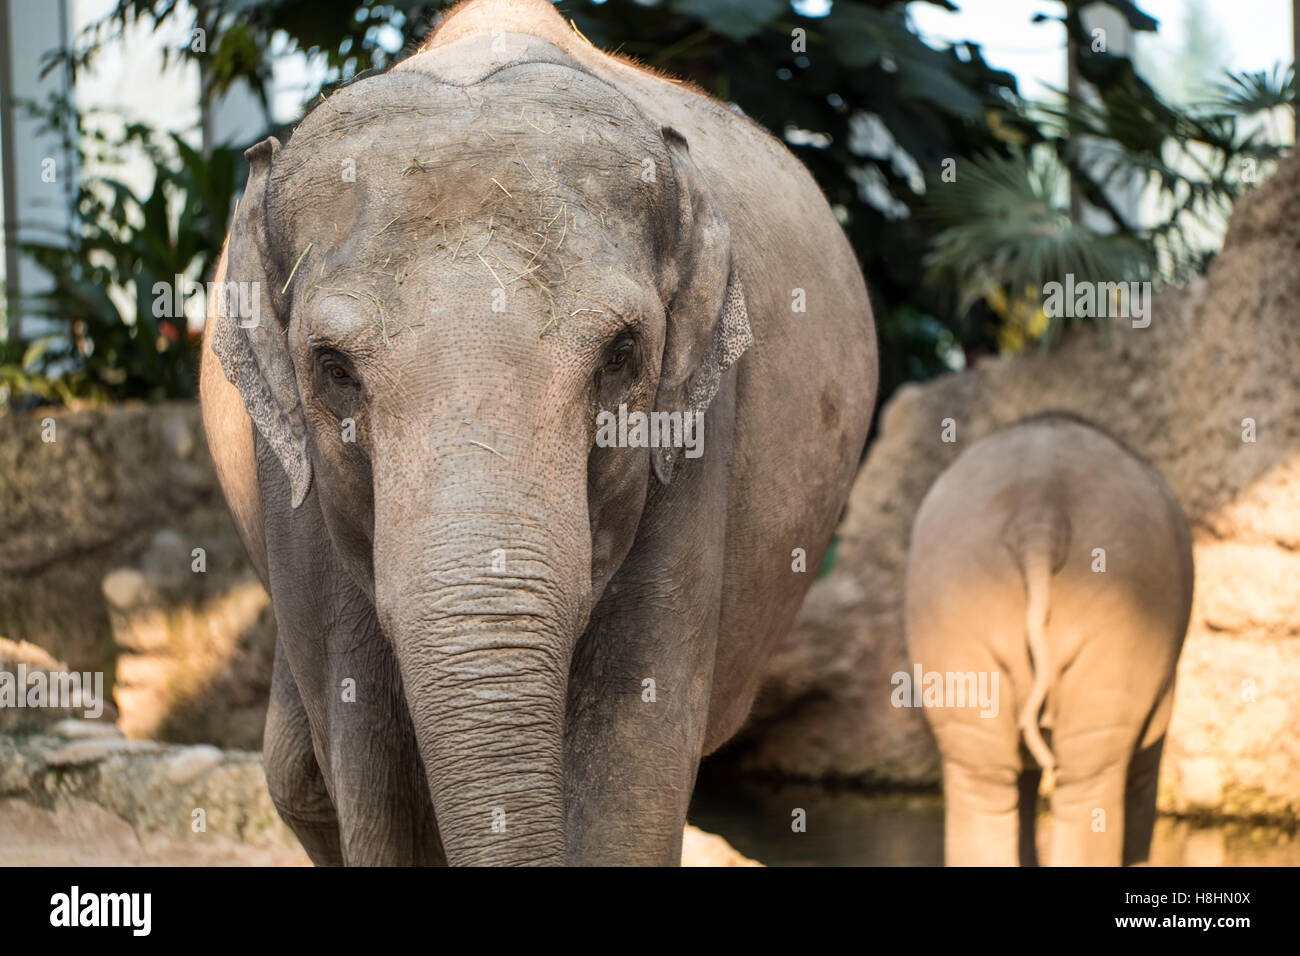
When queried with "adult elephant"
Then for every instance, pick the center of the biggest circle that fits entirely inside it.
(500, 641)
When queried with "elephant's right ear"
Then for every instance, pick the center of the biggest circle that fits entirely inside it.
(249, 335)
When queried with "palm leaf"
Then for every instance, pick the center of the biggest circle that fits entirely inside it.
(1005, 224)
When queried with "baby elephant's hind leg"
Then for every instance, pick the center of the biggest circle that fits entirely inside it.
(1143, 775)
(1088, 797)
(1140, 803)
(1110, 712)
(981, 788)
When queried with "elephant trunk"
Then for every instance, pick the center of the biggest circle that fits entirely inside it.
(483, 625)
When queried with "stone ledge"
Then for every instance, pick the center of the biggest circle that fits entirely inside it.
(87, 797)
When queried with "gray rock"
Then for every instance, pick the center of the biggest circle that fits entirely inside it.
(191, 763)
(74, 729)
(177, 436)
(125, 588)
(94, 750)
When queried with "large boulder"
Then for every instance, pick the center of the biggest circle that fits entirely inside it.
(73, 798)
(1216, 354)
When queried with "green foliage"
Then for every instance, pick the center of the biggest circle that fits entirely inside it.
(22, 377)
(1011, 223)
(737, 20)
(1005, 225)
(1246, 94)
(920, 346)
(105, 275)
(869, 108)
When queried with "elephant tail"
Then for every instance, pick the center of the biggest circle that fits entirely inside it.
(1039, 541)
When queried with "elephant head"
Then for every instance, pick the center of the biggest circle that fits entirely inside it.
(445, 285)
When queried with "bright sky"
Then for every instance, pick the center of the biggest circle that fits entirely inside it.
(1255, 34)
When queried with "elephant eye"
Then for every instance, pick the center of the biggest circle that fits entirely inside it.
(334, 369)
(619, 358)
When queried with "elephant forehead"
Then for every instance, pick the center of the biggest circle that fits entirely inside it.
(483, 299)
(570, 230)
(469, 203)
(557, 267)
(518, 196)
(503, 151)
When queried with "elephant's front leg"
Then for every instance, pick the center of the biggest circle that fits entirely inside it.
(292, 774)
(636, 723)
(338, 729)
(639, 685)
(354, 714)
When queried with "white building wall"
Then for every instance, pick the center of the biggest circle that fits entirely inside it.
(40, 175)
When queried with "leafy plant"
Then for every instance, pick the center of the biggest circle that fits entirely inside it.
(872, 111)
(1005, 224)
(113, 276)
(1245, 94)
(22, 382)
(1013, 222)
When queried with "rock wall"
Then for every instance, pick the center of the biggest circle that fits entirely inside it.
(101, 511)
(1217, 353)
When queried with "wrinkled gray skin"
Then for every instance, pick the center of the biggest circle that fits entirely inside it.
(1000, 579)
(497, 586)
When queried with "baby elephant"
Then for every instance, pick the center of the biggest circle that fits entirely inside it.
(1051, 566)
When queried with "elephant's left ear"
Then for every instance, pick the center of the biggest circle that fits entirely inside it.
(708, 325)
